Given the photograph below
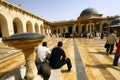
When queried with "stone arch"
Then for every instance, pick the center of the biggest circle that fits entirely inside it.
(29, 26)
(97, 27)
(36, 28)
(88, 30)
(17, 25)
(63, 30)
(92, 28)
(76, 29)
(70, 29)
(3, 27)
(41, 29)
(104, 26)
(54, 31)
(83, 28)
(59, 31)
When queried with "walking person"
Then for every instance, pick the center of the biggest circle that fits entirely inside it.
(58, 58)
(102, 35)
(111, 40)
(41, 61)
(117, 54)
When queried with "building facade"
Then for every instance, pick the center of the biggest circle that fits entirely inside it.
(89, 21)
(14, 19)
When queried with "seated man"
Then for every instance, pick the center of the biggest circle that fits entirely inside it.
(42, 62)
(58, 58)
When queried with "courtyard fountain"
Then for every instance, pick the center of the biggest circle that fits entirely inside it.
(27, 43)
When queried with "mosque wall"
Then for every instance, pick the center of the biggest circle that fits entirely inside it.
(14, 20)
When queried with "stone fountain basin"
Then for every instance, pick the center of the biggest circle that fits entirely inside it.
(24, 40)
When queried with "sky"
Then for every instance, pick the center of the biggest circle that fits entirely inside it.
(63, 10)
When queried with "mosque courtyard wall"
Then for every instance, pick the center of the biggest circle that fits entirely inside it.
(14, 19)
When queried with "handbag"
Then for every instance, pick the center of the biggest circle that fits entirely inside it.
(106, 45)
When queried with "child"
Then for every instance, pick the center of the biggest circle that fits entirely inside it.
(117, 54)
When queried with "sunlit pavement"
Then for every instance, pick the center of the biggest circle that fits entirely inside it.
(88, 56)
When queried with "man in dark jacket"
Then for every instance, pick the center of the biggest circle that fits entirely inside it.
(58, 57)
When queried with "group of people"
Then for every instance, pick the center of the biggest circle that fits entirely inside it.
(111, 42)
(56, 58)
(47, 60)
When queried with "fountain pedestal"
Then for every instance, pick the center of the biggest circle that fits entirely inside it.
(27, 43)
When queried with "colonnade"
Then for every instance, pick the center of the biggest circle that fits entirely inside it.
(80, 27)
(14, 19)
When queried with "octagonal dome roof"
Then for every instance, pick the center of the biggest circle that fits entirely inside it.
(88, 11)
(115, 22)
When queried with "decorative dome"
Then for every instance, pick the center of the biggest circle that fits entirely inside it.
(88, 11)
(115, 22)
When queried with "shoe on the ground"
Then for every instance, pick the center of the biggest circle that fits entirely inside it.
(115, 65)
(69, 70)
(107, 53)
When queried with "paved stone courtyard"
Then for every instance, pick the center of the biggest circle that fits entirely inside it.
(88, 56)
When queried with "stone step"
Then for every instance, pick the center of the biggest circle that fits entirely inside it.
(19, 74)
(11, 63)
(55, 74)
(14, 75)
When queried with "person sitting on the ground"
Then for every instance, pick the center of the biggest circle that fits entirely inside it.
(42, 62)
(58, 57)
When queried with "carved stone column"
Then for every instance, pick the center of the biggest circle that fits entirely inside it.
(26, 42)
